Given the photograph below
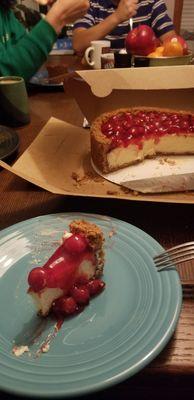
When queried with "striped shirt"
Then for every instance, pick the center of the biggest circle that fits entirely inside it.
(150, 12)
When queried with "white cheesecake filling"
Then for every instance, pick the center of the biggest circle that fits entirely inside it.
(168, 144)
(175, 144)
(87, 269)
(43, 300)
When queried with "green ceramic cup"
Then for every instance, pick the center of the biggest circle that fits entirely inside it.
(14, 109)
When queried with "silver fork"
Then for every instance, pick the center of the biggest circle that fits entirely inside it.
(180, 256)
(175, 255)
(131, 23)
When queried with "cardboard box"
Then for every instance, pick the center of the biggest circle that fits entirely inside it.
(68, 146)
(98, 91)
(60, 143)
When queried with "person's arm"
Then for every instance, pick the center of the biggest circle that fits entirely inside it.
(84, 34)
(29, 51)
(161, 22)
(64, 12)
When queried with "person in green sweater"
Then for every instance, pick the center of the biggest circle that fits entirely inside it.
(22, 53)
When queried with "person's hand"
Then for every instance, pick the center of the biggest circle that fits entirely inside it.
(44, 2)
(126, 9)
(63, 12)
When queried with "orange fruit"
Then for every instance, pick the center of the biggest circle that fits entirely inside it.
(157, 53)
(153, 55)
(172, 48)
(159, 50)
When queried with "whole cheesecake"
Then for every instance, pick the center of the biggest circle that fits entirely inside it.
(72, 274)
(126, 136)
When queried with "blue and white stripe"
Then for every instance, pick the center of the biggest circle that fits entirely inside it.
(150, 12)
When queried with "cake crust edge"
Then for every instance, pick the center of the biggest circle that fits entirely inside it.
(95, 239)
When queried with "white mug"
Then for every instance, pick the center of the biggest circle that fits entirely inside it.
(94, 52)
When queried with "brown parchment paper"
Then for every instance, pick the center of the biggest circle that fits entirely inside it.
(58, 160)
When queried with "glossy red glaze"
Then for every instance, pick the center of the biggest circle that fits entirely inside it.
(75, 244)
(77, 298)
(37, 279)
(65, 306)
(127, 128)
(60, 270)
(81, 294)
(95, 286)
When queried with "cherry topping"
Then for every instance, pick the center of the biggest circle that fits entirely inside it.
(65, 305)
(125, 128)
(81, 280)
(75, 244)
(95, 286)
(37, 279)
(184, 125)
(81, 294)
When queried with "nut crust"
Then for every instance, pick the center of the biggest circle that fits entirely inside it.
(95, 238)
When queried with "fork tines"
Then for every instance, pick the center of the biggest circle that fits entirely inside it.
(174, 255)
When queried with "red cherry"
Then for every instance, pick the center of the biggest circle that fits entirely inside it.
(137, 121)
(152, 115)
(141, 130)
(57, 306)
(75, 244)
(170, 129)
(167, 124)
(114, 118)
(126, 127)
(113, 121)
(37, 279)
(141, 115)
(184, 125)
(119, 130)
(81, 280)
(129, 116)
(95, 286)
(174, 129)
(157, 124)
(162, 130)
(152, 129)
(107, 128)
(174, 117)
(65, 305)
(163, 117)
(69, 305)
(127, 140)
(133, 130)
(116, 142)
(81, 294)
(127, 124)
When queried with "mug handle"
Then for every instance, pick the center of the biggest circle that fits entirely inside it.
(87, 55)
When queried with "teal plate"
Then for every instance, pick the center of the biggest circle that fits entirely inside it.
(117, 335)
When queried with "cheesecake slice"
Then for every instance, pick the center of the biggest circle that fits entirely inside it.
(72, 274)
(126, 136)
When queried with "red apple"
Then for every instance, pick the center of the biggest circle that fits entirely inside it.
(141, 41)
(181, 41)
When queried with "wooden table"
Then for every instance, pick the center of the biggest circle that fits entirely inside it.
(172, 372)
